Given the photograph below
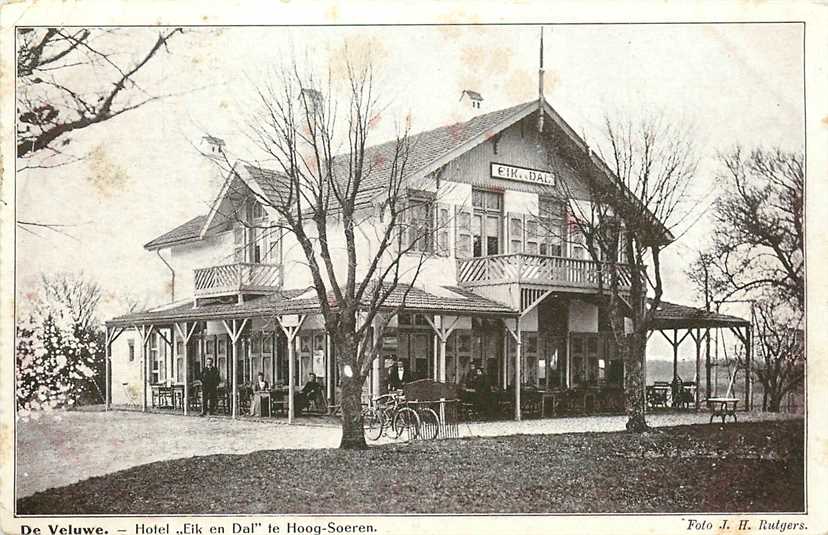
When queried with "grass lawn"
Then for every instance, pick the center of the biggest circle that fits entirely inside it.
(702, 468)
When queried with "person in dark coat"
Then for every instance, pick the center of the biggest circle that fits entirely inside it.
(311, 390)
(398, 376)
(210, 380)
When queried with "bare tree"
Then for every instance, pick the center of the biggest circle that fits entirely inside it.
(73, 296)
(331, 192)
(780, 348)
(622, 216)
(759, 235)
(69, 79)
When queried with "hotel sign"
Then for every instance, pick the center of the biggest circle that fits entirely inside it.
(522, 174)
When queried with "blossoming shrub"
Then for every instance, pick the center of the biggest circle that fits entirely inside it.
(58, 364)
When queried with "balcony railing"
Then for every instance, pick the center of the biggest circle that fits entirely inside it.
(551, 271)
(236, 278)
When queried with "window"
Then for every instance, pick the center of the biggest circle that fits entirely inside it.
(487, 223)
(515, 235)
(210, 347)
(131, 348)
(421, 227)
(552, 226)
(463, 233)
(222, 346)
(267, 344)
(179, 347)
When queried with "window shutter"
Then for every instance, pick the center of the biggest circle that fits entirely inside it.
(238, 242)
(402, 224)
(441, 229)
(462, 232)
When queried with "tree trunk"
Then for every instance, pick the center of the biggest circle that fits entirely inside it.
(353, 435)
(633, 349)
(775, 402)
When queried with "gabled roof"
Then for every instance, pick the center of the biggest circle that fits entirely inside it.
(429, 151)
(305, 301)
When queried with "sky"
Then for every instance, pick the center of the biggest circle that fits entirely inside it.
(728, 84)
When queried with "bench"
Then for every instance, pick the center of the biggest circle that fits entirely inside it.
(722, 408)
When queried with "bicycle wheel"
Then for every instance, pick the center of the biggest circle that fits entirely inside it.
(429, 423)
(406, 422)
(372, 424)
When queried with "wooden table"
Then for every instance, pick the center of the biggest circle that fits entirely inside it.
(722, 407)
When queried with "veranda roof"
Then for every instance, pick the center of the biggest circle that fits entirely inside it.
(449, 300)
(674, 316)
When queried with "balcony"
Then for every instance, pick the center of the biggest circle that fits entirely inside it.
(236, 279)
(553, 272)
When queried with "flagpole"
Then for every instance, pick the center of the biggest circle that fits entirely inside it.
(540, 85)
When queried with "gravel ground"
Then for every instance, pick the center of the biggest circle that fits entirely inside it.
(744, 467)
(65, 447)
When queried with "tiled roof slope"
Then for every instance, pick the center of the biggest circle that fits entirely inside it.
(189, 230)
(289, 302)
(426, 147)
(674, 316)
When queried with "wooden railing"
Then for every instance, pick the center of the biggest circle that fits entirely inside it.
(537, 269)
(234, 278)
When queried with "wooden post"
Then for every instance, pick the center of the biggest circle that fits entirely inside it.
(442, 332)
(144, 332)
(234, 333)
(748, 359)
(111, 336)
(107, 354)
(186, 333)
(290, 332)
(516, 335)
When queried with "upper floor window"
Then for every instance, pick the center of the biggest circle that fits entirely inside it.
(487, 223)
(424, 224)
(551, 222)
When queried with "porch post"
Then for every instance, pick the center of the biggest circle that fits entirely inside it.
(707, 362)
(235, 372)
(146, 370)
(518, 369)
(675, 355)
(290, 333)
(698, 338)
(186, 397)
(107, 378)
(291, 380)
(748, 359)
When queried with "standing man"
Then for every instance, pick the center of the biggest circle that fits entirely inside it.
(210, 380)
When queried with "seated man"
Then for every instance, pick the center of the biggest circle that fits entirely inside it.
(259, 386)
(311, 390)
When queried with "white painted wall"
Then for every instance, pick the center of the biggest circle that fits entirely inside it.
(124, 371)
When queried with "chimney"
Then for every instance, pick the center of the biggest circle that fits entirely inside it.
(471, 102)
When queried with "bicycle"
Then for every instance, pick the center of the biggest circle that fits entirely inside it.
(390, 416)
